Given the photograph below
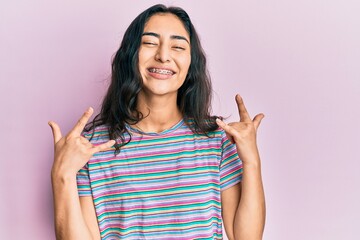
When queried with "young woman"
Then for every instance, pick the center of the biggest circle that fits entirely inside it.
(154, 164)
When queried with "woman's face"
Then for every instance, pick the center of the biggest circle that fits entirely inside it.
(164, 55)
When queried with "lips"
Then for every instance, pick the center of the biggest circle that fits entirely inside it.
(163, 71)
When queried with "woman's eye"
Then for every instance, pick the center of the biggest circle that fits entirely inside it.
(180, 48)
(149, 43)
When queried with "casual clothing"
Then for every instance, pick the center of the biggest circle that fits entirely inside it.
(161, 185)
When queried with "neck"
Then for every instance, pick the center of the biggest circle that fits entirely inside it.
(161, 112)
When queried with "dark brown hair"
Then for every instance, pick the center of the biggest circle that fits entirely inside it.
(119, 104)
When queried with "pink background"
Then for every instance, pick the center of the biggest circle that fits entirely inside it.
(296, 61)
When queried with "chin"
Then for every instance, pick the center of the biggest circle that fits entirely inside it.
(159, 92)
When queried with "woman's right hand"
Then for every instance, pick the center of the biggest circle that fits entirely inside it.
(73, 151)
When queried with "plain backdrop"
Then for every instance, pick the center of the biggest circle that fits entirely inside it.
(298, 62)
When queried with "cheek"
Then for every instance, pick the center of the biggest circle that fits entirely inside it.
(185, 63)
(140, 58)
(143, 56)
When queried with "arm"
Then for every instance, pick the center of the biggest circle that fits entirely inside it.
(243, 207)
(74, 218)
(88, 211)
(244, 204)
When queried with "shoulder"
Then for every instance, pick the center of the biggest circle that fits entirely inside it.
(98, 134)
(215, 132)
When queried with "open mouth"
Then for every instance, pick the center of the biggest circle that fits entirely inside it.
(161, 71)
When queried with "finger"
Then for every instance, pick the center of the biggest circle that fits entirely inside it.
(243, 113)
(79, 127)
(257, 120)
(56, 131)
(104, 146)
(221, 123)
(230, 131)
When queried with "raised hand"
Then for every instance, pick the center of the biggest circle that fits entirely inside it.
(243, 133)
(73, 151)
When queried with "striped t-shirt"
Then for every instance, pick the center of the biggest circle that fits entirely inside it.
(161, 185)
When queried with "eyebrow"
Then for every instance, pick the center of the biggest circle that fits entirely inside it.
(172, 36)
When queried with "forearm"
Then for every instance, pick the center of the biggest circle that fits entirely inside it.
(250, 215)
(69, 221)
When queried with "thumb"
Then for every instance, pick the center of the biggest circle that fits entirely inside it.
(257, 120)
(56, 131)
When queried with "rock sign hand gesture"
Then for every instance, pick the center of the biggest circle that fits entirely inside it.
(243, 133)
(73, 151)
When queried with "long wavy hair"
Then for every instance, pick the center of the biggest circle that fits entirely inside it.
(119, 104)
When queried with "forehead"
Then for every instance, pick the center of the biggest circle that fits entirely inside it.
(166, 24)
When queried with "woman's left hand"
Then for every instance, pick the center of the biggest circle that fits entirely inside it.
(243, 133)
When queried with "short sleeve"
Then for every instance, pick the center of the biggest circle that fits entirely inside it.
(231, 166)
(82, 177)
(83, 182)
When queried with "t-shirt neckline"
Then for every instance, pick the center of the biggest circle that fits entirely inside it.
(166, 131)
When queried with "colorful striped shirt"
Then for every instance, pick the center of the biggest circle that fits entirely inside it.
(161, 185)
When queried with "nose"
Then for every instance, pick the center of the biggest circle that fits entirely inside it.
(163, 54)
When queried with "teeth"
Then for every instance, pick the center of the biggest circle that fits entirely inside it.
(160, 71)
